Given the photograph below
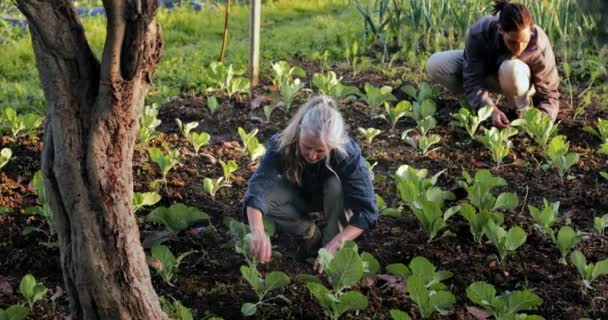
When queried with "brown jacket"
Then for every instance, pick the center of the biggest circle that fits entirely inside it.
(485, 51)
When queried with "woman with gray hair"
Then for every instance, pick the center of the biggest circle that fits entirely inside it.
(504, 53)
(311, 166)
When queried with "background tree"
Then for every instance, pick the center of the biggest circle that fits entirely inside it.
(90, 133)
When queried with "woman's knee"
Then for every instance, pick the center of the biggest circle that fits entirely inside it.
(332, 187)
(514, 78)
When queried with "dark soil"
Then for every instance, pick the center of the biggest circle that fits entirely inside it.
(209, 281)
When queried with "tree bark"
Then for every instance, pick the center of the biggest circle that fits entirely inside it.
(89, 137)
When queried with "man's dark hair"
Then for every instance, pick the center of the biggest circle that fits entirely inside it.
(513, 16)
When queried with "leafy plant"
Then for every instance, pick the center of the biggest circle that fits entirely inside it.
(566, 239)
(144, 199)
(497, 141)
(212, 104)
(165, 162)
(251, 143)
(477, 220)
(414, 186)
(199, 139)
(283, 73)
(471, 121)
(186, 128)
(599, 224)
(425, 286)
(601, 132)
(589, 272)
(559, 157)
(479, 191)
(506, 306)
(14, 312)
(289, 91)
(165, 263)
(420, 142)
(241, 237)
(368, 133)
(246, 137)
(148, 123)
(374, 97)
(5, 156)
(262, 287)
(43, 211)
(211, 186)
(332, 86)
(431, 216)
(344, 270)
(506, 242)
(31, 289)
(175, 309)
(17, 123)
(229, 168)
(399, 315)
(385, 210)
(394, 114)
(423, 108)
(352, 56)
(228, 78)
(538, 126)
(545, 218)
(177, 217)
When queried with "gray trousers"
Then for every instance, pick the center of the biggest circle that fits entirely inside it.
(512, 79)
(288, 209)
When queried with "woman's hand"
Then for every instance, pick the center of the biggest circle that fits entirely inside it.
(261, 247)
(499, 119)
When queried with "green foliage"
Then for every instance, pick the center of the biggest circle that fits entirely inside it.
(477, 220)
(385, 210)
(199, 139)
(289, 91)
(212, 104)
(211, 186)
(165, 162)
(32, 290)
(431, 216)
(165, 263)
(559, 157)
(589, 272)
(5, 156)
(394, 114)
(471, 121)
(423, 143)
(374, 97)
(220, 77)
(344, 270)
(255, 149)
(601, 132)
(14, 312)
(425, 286)
(332, 86)
(228, 169)
(599, 224)
(43, 211)
(241, 238)
(506, 306)
(498, 143)
(20, 122)
(175, 309)
(368, 133)
(246, 137)
(423, 108)
(186, 128)
(538, 126)
(414, 187)
(144, 199)
(148, 123)
(545, 219)
(566, 240)
(399, 315)
(506, 242)
(283, 73)
(176, 218)
(479, 191)
(274, 280)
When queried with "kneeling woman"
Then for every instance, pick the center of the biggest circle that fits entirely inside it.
(311, 166)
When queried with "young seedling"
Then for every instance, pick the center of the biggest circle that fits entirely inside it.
(5, 156)
(14, 312)
(559, 157)
(506, 306)
(604, 174)
(414, 186)
(332, 86)
(165, 263)
(289, 91)
(186, 128)
(589, 272)
(211, 186)
(422, 143)
(212, 104)
(385, 210)
(175, 309)
(229, 168)
(369, 134)
(471, 121)
(479, 191)
(538, 126)
(268, 109)
(601, 132)
(498, 143)
(145, 199)
(246, 137)
(283, 73)
(599, 224)
(394, 114)
(477, 220)
(374, 97)
(177, 217)
(352, 56)
(566, 240)
(274, 280)
(165, 162)
(32, 290)
(241, 237)
(199, 139)
(399, 315)
(148, 123)
(423, 108)
(43, 211)
(425, 286)
(545, 219)
(431, 217)
(17, 123)
(506, 242)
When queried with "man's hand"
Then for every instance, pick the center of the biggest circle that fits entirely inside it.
(260, 246)
(499, 119)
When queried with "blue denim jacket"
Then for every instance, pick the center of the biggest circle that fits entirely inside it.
(359, 195)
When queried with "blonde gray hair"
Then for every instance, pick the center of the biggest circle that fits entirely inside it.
(319, 117)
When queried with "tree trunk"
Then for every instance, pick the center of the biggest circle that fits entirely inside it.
(89, 137)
